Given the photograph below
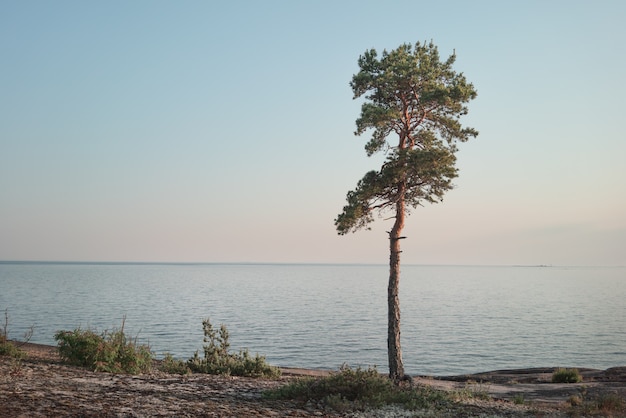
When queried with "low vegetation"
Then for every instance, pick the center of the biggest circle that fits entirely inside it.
(10, 348)
(359, 389)
(114, 352)
(566, 376)
(172, 365)
(519, 399)
(472, 390)
(610, 404)
(605, 405)
(218, 360)
(109, 351)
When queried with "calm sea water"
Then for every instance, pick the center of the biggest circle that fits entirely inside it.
(455, 320)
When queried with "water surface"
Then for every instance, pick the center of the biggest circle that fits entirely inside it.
(455, 320)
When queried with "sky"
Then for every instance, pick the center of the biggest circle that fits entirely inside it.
(206, 131)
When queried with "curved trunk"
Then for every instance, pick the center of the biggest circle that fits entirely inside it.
(394, 349)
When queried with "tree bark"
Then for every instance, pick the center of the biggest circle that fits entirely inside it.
(394, 349)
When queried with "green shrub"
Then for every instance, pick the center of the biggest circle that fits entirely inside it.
(107, 352)
(566, 376)
(358, 389)
(173, 366)
(79, 347)
(218, 360)
(7, 347)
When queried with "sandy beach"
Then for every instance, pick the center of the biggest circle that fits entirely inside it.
(41, 386)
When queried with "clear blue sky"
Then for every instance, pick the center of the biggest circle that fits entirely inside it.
(223, 131)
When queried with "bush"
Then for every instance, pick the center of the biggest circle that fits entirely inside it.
(79, 347)
(218, 360)
(358, 389)
(173, 366)
(566, 376)
(7, 347)
(107, 352)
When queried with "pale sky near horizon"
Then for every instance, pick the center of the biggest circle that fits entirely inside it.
(205, 131)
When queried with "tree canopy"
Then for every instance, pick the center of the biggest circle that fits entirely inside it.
(412, 93)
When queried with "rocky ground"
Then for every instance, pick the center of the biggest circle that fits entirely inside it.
(41, 386)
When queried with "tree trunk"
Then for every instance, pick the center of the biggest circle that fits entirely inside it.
(394, 349)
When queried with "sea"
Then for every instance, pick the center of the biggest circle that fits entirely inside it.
(455, 319)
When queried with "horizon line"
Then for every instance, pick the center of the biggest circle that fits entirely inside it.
(311, 263)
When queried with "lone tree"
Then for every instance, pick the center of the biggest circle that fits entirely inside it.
(409, 92)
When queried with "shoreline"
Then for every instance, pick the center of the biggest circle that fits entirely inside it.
(520, 375)
(40, 385)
